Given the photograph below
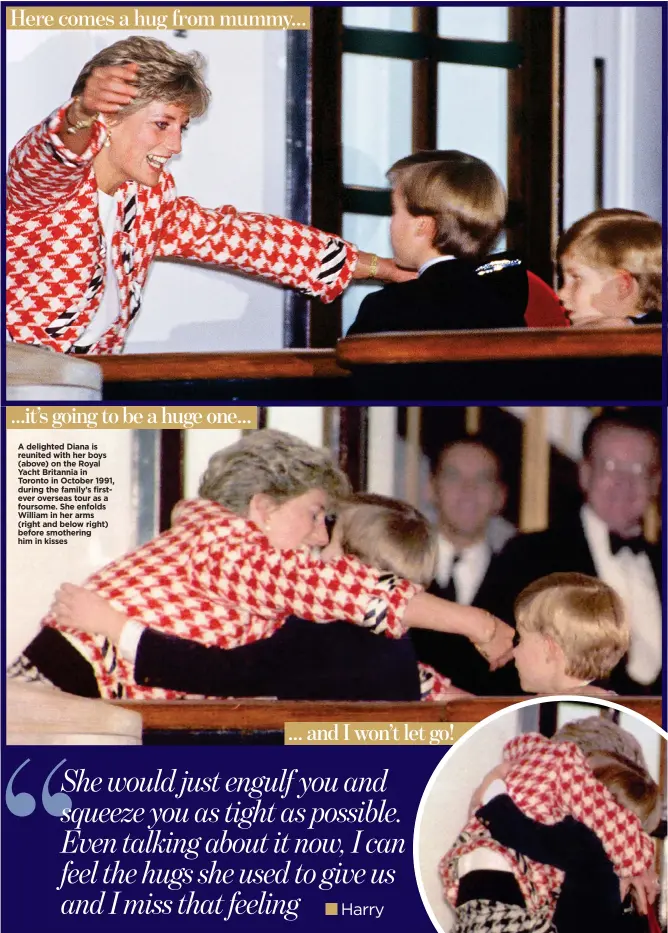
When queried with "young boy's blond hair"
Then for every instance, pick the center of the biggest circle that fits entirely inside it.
(582, 615)
(463, 195)
(618, 239)
(389, 535)
(630, 785)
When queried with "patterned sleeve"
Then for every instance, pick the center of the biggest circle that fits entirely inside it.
(42, 172)
(521, 746)
(240, 566)
(630, 850)
(283, 251)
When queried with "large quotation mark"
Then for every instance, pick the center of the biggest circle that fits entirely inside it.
(23, 804)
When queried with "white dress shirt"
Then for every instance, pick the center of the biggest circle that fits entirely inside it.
(432, 262)
(632, 578)
(469, 571)
(110, 306)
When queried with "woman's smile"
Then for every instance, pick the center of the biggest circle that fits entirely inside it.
(141, 144)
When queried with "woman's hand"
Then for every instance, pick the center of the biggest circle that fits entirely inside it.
(370, 266)
(644, 889)
(492, 637)
(497, 647)
(82, 609)
(106, 91)
(499, 773)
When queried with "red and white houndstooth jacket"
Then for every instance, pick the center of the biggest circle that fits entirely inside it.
(549, 781)
(215, 579)
(56, 251)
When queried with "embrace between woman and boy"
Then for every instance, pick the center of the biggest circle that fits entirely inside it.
(201, 608)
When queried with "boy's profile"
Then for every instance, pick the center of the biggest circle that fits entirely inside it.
(611, 261)
(448, 209)
(572, 630)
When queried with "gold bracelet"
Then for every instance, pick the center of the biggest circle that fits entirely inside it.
(84, 124)
(373, 266)
(481, 644)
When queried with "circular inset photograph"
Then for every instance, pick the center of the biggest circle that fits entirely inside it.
(548, 817)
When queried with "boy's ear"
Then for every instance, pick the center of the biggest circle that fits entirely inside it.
(426, 227)
(620, 293)
(554, 652)
(627, 285)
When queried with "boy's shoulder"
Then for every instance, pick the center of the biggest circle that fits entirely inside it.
(384, 310)
(453, 294)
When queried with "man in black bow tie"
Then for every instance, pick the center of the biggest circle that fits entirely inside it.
(619, 477)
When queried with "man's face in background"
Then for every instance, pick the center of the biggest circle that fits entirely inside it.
(466, 491)
(621, 477)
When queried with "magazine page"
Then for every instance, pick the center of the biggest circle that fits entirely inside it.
(333, 422)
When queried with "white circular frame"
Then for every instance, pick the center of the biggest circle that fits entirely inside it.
(447, 759)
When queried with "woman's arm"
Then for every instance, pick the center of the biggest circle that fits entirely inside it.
(52, 160)
(283, 251)
(301, 661)
(43, 171)
(492, 637)
(626, 844)
(233, 561)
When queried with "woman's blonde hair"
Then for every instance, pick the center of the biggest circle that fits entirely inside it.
(274, 463)
(581, 614)
(389, 535)
(615, 238)
(465, 197)
(164, 74)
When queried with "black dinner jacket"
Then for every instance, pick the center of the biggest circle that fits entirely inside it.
(302, 660)
(457, 658)
(449, 295)
(561, 548)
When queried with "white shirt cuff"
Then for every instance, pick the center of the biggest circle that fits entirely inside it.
(128, 643)
(483, 859)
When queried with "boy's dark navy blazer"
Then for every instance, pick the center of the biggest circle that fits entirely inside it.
(454, 294)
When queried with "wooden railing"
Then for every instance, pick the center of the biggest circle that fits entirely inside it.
(498, 345)
(183, 367)
(553, 365)
(559, 364)
(271, 715)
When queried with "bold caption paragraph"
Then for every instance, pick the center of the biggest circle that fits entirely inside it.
(223, 844)
(64, 492)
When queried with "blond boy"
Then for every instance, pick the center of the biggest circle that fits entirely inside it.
(393, 536)
(572, 630)
(611, 261)
(448, 208)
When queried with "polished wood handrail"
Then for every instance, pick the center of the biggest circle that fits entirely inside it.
(181, 367)
(491, 345)
(410, 347)
(260, 715)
